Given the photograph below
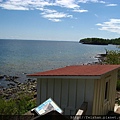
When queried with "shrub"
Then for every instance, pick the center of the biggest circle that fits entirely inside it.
(16, 106)
(113, 57)
(118, 85)
(7, 107)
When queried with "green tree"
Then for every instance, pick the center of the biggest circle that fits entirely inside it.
(100, 41)
(113, 57)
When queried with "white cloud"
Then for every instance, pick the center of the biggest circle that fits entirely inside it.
(26, 4)
(102, 2)
(44, 7)
(80, 11)
(83, 1)
(49, 11)
(67, 3)
(46, 11)
(111, 5)
(93, 1)
(41, 5)
(113, 25)
(55, 16)
(55, 20)
(71, 4)
(14, 7)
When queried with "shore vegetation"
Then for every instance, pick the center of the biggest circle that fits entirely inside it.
(17, 106)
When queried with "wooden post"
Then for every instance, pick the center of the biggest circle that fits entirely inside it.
(81, 111)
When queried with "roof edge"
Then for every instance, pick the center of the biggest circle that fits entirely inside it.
(67, 77)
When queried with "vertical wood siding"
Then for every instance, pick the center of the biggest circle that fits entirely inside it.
(89, 94)
(65, 93)
(113, 88)
(69, 94)
(50, 88)
(80, 93)
(100, 106)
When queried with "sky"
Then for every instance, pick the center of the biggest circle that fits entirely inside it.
(60, 20)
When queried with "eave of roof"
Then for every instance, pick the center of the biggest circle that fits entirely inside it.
(76, 71)
(66, 77)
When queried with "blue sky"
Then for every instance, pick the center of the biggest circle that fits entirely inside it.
(63, 20)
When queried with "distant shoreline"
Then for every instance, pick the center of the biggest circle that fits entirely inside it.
(100, 41)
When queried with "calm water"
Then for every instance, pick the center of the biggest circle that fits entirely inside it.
(29, 56)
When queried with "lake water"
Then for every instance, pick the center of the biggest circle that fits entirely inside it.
(29, 56)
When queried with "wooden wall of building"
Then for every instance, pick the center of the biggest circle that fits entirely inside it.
(69, 94)
(100, 105)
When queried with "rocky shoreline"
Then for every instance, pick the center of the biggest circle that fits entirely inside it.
(15, 88)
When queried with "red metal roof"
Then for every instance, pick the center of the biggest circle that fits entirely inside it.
(78, 70)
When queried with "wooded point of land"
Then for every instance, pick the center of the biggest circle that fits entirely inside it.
(100, 41)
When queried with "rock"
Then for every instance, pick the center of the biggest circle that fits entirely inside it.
(10, 78)
(1, 87)
(29, 79)
(15, 77)
(16, 88)
(24, 73)
(11, 84)
(1, 76)
(15, 81)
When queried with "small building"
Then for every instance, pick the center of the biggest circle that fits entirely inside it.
(70, 86)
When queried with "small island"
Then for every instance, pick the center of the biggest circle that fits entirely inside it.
(100, 41)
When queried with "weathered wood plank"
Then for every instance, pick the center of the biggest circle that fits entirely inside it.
(43, 90)
(80, 93)
(57, 91)
(64, 93)
(81, 111)
(72, 93)
(50, 88)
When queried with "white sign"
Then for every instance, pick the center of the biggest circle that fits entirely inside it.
(47, 106)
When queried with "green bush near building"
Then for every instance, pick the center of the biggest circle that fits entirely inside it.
(118, 85)
(113, 57)
(17, 106)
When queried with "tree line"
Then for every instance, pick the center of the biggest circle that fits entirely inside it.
(100, 41)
